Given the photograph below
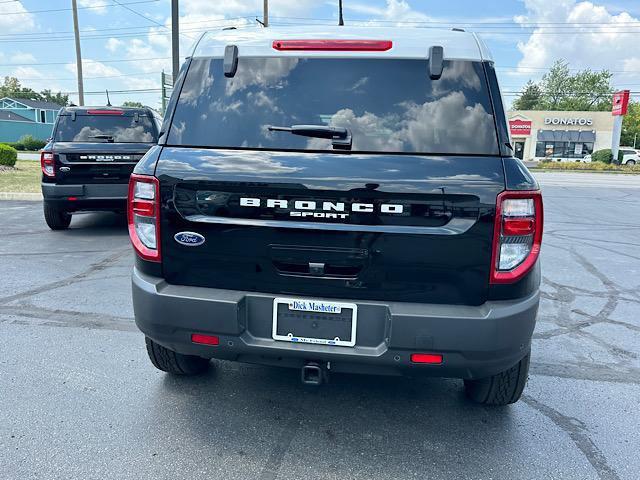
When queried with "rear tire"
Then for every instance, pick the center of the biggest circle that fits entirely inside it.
(56, 218)
(631, 162)
(500, 389)
(173, 362)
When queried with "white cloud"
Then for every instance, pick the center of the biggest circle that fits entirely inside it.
(93, 68)
(608, 43)
(234, 8)
(22, 57)
(95, 6)
(395, 10)
(10, 22)
(113, 45)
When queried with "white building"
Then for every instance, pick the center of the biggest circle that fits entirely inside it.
(568, 136)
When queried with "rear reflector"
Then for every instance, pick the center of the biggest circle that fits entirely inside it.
(205, 339)
(72, 199)
(334, 45)
(432, 358)
(105, 112)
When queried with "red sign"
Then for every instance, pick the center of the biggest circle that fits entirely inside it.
(620, 103)
(520, 128)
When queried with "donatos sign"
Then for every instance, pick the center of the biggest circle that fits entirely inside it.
(520, 128)
(568, 121)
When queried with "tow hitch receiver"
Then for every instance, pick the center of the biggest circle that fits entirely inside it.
(313, 374)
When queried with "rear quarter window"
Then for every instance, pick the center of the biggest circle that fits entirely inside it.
(389, 105)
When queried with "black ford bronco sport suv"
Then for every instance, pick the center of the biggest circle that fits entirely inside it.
(339, 200)
(87, 163)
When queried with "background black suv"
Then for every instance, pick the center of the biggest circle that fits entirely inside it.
(87, 163)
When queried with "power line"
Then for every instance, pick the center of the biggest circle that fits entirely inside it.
(51, 10)
(143, 28)
(145, 17)
(66, 63)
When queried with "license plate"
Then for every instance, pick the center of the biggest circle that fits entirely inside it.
(303, 320)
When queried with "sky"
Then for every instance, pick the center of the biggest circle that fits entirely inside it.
(126, 43)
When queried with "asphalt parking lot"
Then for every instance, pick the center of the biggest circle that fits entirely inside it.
(79, 398)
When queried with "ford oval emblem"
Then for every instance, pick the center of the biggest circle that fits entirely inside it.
(189, 239)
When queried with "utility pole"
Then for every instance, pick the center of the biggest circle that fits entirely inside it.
(175, 40)
(340, 17)
(74, 7)
(265, 13)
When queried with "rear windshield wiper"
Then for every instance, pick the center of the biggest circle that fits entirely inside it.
(340, 137)
(108, 138)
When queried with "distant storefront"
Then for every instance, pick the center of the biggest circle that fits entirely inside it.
(569, 136)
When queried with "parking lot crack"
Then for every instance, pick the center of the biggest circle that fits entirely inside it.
(95, 267)
(578, 433)
(32, 315)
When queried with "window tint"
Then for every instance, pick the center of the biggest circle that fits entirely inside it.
(96, 128)
(388, 105)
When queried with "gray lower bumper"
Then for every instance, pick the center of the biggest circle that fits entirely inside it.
(475, 341)
(118, 191)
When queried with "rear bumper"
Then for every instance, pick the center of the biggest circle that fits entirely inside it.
(87, 197)
(475, 341)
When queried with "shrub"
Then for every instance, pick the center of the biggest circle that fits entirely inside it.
(8, 155)
(605, 156)
(31, 143)
(588, 167)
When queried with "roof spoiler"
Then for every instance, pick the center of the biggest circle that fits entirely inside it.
(230, 60)
(436, 62)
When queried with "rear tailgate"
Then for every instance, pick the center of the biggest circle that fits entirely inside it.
(86, 163)
(365, 226)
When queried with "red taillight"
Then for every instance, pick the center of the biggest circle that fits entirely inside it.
(334, 45)
(205, 339)
(143, 213)
(48, 164)
(517, 226)
(431, 358)
(105, 112)
(143, 207)
(517, 235)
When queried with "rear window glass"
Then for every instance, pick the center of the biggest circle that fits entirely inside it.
(388, 105)
(106, 128)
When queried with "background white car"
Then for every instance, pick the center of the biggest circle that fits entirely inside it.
(630, 156)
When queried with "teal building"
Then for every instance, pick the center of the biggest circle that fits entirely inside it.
(21, 116)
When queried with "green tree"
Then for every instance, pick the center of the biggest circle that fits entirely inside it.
(530, 97)
(132, 104)
(559, 89)
(11, 87)
(631, 126)
(58, 98)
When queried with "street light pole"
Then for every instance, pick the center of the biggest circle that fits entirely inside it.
(340, 18)
(175, 39)
(76, 31)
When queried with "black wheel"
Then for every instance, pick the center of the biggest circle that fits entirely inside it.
(631, 162)
(56, 218)
(500, 389)
(175, 363)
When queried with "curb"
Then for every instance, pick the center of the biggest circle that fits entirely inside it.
(29, 197)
